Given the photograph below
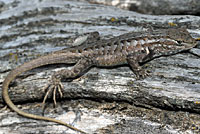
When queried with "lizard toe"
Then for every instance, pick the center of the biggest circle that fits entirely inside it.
(52, 88)
(141, 74)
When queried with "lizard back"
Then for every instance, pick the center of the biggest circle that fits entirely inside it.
(114, 51)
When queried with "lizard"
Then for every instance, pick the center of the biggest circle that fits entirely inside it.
(131, 48)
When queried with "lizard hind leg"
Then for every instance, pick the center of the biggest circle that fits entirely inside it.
(55, 82)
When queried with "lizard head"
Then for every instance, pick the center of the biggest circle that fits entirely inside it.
(183, 38)
(175, 40)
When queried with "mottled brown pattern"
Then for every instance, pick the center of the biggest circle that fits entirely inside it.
(130, 48)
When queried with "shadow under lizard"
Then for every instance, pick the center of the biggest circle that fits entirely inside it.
(131, 48)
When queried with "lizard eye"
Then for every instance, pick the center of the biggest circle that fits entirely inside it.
(143, 51)
(179, 42)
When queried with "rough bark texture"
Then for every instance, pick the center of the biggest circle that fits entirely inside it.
(103, 100)
(158, 7)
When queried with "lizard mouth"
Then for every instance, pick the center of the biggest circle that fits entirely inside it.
(189, 45)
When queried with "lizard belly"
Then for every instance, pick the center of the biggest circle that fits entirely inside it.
(111, 60)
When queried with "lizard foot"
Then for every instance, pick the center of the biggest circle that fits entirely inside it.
(141, 74)
(55, 86)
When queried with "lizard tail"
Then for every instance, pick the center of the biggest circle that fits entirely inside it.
(49, 59)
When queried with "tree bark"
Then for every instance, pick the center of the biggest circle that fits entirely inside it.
(103, 100)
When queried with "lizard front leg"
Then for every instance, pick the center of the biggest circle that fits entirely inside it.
(55, 83)
(134, 59)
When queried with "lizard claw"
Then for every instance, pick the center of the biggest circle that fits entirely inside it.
(55, 86)
(141, 74)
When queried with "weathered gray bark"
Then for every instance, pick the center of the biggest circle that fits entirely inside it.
(158, 7)
(109, 100)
